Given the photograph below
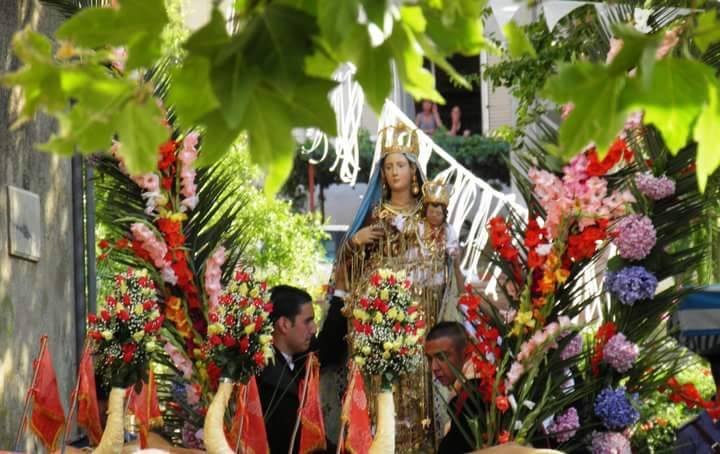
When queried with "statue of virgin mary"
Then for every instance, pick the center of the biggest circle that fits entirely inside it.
(387, 233)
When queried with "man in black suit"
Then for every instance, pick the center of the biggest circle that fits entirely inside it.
(279, 384)
(445, 346)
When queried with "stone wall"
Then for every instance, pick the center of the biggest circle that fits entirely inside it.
(35, 298)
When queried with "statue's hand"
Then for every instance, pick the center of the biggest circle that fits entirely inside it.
(367, 235)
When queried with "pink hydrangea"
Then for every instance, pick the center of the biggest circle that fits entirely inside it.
(620, 353)
(655, 187)
(610, 443)
(634, 236)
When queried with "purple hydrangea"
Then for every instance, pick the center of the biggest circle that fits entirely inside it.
(610, 443)
(573, 348)
(634, 236)
(655, 187)
(615, 410)
(565, 425)
(620, 353)
(631, 284)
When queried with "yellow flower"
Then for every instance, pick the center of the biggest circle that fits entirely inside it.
(384, 273)
(384, 294)
(65, 51)
(378, 317)
(360, 314)
(118, 308)
(421, 332)
(413, 316)
(138, 309)
(552, 261)
(397, 344)
(250, 329)
(107, 334)
(139, 335)
(562, 275)
(254, 292)
(387, 346)
(525, 318)
(265, 339)
(359, 360)
(400, 316)
(411, 340)
(243, 290)
(151, 346)
(392, 313)
(386, 355)
(123, 287)
(178, 217)
(268, 353)
(249, 310)
(366, 350)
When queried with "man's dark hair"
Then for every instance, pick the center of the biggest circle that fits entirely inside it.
(286, 301)
(453, 330)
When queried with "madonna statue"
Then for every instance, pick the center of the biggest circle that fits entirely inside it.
(388, 233)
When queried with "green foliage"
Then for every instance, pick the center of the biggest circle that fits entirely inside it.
(270, 75)
(519, 44)
(678, 94)
(664, 417)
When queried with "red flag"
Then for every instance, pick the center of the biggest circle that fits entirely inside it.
(48, 416)
(312, 434)
(355, 416)
(249, 415)
(88, 416)
(146, 408)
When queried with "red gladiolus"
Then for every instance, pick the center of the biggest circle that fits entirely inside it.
(605, 332)
(104, 244)
(535, 260)
(167, 183)
(502, 404)
(263, 286)
(122, 243)
(503, 437)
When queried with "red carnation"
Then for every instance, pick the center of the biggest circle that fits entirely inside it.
(123, 315)
(147, 305)
(259, 359)
(397, 327)
(375, 279)
(229, 320)
(105, 315)
(215, 340)
(126, 300)
(263, 286)
(129, 352)
(258, 323)
(244, 344)
(268, 308)
(391, 280)
(365, 303)
(213, 317)
(228, 340)
(92, 318)
(110, 301)
(242, 277)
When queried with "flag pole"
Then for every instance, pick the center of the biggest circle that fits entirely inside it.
(23, 420)
(302, 401)
(244, 391)
(73, 401)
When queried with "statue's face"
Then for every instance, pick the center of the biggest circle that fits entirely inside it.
(398, 172)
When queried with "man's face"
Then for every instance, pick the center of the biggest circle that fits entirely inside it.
(300, 331)
(445, 359)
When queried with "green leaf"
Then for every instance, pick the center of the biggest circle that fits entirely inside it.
(337, 19)
(191, 93)
(637, 46)
(92, 27)
(41, 88)
(519, 44)
(597, 116)
(209, 39)
(673, 99)
(217, 139)
(436, 57)
(416, 80)
(374, 75)
(309, 104)
(413, 17)
(707, 31)
(705, 134)
(31, 46)
(236, 83)
(141, 131)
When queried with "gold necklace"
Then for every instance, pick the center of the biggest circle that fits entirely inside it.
(402, 211)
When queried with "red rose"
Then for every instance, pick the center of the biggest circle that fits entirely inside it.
(258, 324)
(213, 317)
(365, 303)
(244, 344)
(147, 305)
(268, 308)
(104, 244)
(391, 280)
(420, 324)
(259, 359)
(129, 352)
(126, 300)
(242, 276)
(215, 340)
(228, 340)
(263, 286)
(375, 279)
(229, 320)
(110, 301)
(502, 404)
(105, 315)
(123, 315)
(92, 318)
(397, 327)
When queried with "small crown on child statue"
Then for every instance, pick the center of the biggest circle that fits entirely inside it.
(399, 138)
(437, 192)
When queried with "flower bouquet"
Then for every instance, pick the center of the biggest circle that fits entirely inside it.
(239, 343)
(386, 339)
(123, 335)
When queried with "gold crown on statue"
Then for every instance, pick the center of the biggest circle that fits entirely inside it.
(436, 192)
(399, 138)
